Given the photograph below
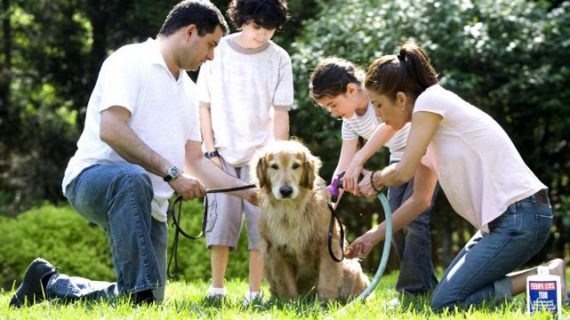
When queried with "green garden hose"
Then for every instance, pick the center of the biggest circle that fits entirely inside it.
(385, 252)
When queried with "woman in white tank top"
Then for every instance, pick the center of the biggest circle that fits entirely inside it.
(481, 172)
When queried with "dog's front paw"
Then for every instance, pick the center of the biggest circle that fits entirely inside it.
(328, 293)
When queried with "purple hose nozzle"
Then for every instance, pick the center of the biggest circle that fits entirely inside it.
(334, 187)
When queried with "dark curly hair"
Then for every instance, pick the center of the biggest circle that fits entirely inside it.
(201, 13)
(268, 14)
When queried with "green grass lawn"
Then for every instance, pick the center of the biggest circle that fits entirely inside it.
(185, 301)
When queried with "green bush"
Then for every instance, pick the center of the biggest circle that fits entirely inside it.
(76, 247)
(58, 235)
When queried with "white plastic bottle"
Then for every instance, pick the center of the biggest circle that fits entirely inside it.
(544, 293)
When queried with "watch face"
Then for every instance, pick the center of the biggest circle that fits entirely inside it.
(173, 172)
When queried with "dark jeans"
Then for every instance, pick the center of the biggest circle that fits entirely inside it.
(413, 245)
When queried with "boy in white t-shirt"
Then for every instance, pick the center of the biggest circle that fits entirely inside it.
(245, 97)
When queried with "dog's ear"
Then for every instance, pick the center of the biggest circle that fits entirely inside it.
(261, 173)
(311, 168)
(308, 176)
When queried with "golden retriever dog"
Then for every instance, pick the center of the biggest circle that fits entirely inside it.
(293, 227)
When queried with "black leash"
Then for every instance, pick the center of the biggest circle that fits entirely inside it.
(176, 216)
(333, 189)
(334, 218)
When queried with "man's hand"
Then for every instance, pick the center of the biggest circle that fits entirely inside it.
(188, 187)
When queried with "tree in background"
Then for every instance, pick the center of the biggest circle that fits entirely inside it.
(42, 75)
(508, 57)
(50, 55)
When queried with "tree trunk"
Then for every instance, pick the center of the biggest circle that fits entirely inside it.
(5, 75)
(5, 79)
(7, 52)
(98, 14)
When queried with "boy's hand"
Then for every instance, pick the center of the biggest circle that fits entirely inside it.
(217, 161)
(251, 196)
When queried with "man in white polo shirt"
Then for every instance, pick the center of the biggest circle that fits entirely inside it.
(141, 129)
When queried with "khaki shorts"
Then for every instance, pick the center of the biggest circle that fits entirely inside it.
(225, 215)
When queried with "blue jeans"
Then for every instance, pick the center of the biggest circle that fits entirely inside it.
(478, 273)
(413, 245)
(117, 197)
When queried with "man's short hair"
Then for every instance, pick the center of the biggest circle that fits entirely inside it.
(201, 13)
(268, 14)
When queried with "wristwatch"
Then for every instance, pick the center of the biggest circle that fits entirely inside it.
(211, 154)
(171, 174)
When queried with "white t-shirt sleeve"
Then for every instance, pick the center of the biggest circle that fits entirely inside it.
(430, 102)
(120, 82)
(283, 98)
(203, 82)
(347, 132)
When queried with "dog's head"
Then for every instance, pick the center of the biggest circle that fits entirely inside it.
(284, 167)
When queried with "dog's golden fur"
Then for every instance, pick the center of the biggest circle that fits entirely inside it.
(294, 224)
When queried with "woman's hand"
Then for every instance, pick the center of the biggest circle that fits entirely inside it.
(362, 246)
(365, 186)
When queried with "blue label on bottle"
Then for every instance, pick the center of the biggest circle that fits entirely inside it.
(542, 296)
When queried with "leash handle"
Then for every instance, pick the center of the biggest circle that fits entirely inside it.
(335, 218)
(176, 217)
(177, 214)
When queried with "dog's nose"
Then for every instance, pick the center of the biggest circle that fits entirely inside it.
(286, 191)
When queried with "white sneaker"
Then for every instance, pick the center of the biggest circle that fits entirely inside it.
(393, 304)
(217, 293)
(253, 297)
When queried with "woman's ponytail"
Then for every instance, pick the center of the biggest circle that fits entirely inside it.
(410, 71)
